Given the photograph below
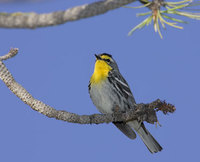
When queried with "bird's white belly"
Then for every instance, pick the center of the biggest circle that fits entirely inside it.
(102, 98)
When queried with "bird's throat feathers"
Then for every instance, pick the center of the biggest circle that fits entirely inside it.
(101, 71)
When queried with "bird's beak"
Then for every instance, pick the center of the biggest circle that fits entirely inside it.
(97, 57)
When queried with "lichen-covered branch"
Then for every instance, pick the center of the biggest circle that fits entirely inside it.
(33, 20)
(144, 112)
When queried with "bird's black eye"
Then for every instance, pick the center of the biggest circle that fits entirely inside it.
(107, 60)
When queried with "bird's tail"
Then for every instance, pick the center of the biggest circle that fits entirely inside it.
(146, 136)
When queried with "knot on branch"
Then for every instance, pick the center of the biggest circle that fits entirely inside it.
(147, 112)
(156, 5)
(164, 107)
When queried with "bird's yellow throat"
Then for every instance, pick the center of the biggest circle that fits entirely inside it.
(101, 71)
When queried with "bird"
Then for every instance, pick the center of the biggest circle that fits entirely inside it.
(110, 93)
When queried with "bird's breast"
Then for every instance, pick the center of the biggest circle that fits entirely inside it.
(104, 98)
(101, 71)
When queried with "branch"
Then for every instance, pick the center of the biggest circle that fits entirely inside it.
(33, 20)
(144, 112)
(10, 54)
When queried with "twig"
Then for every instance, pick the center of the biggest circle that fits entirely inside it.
(10, 54)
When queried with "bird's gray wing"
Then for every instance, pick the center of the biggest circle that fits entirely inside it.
(122, 87)
(126, 129)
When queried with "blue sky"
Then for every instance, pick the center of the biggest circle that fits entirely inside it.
(55, 64)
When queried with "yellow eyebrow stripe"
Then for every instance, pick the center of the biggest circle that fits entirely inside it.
(105, 57)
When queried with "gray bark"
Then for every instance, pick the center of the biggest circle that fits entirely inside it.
(33, 20)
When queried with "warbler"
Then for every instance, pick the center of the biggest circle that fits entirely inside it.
(110, 93)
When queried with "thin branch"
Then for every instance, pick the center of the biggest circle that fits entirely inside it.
(10, 54)
(144, 112)
(33, 20)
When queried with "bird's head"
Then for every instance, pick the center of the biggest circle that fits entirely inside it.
(103, 65)
(105, 61)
